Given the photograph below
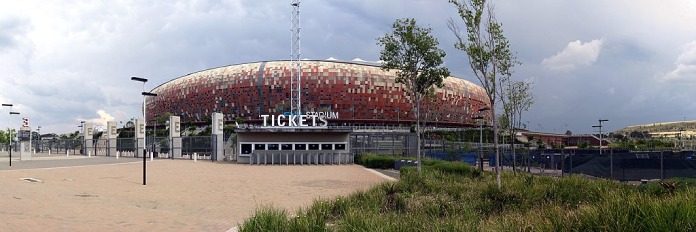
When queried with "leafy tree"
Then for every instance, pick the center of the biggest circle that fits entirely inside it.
(516, 97)
(583, 145)
(414, 54)
(489, 53)
(5, 136)
(162, 119)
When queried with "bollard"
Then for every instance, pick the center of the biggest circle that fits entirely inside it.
(195, 157)
(89, 153)
(152, 155)
(117, 154)
(66, 152)
(49, 152)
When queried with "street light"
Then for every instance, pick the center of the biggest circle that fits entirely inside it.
(480, 116)
(145, 95)
(10, 136)
(38, 139)
(600, 133)
(9, 144)
(83, 151)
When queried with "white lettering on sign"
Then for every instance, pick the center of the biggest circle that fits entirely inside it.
(309, 120)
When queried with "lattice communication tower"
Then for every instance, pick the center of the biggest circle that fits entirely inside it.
(296, 68)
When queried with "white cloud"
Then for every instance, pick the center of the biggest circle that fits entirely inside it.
(575, 54)
(685, 69)
(101, 120)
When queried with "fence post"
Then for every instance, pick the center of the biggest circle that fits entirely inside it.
(611, 164)
(571, 163)
(662, 167)
(563, 156)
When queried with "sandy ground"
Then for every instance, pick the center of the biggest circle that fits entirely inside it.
(180, 195)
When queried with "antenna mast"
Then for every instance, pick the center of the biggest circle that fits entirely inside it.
(296, 68)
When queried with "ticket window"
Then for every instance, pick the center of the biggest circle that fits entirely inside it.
(327, 147)
(300, 147)
(273, 146)
(286, 147)
(246, 148)
(340, 146)
(313, 146)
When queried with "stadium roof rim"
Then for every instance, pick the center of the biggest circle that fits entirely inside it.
(367, 63)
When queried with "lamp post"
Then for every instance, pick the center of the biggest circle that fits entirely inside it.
(10, 136)
(8, 120)
(600, 133)
(83, 151)
(145, 95)
(9, 131)
(480, 152)
(38, 132)
(481, 134)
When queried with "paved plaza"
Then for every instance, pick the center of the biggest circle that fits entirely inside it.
(78, 193)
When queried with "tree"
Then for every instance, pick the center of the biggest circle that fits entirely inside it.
(488, 51)
(414, 54)
(516, 97)
(5, 136)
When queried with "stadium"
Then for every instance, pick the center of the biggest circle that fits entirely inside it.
(357, 93)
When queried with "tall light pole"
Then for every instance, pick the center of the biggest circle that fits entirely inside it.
(83, 151)
(10, 134)
(8, 119)
(480, 117)
(600, 133)
(145, 95)
(480, 149)
(38, 132)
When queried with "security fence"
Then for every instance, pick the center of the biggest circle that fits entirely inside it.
(200, 146)
(634, 165)
(395, 144)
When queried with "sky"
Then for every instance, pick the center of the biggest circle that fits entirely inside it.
(62, 62)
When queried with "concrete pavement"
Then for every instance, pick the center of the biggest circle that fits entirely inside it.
(105, 194)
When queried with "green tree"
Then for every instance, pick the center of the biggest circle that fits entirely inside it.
(516, 97)
(414, 54)
(489, 53)
(5, 136)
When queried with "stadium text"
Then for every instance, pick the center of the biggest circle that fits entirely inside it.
(311, 119)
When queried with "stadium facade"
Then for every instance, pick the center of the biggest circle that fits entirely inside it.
(356, 93)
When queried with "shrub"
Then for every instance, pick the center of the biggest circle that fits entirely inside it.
(376, 161)
(456, 168)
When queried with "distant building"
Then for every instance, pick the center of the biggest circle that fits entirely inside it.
(556, 140)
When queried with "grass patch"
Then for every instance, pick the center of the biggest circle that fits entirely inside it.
(456, 197)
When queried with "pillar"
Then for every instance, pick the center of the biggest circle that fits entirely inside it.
(24, 143)
(111, 138)
(139, 138)
(218, 149)
(175, 136)
(87, 139)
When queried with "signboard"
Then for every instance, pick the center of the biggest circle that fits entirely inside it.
(24, 135)
(308, 120)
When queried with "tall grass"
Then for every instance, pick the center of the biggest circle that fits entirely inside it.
(456, 197)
